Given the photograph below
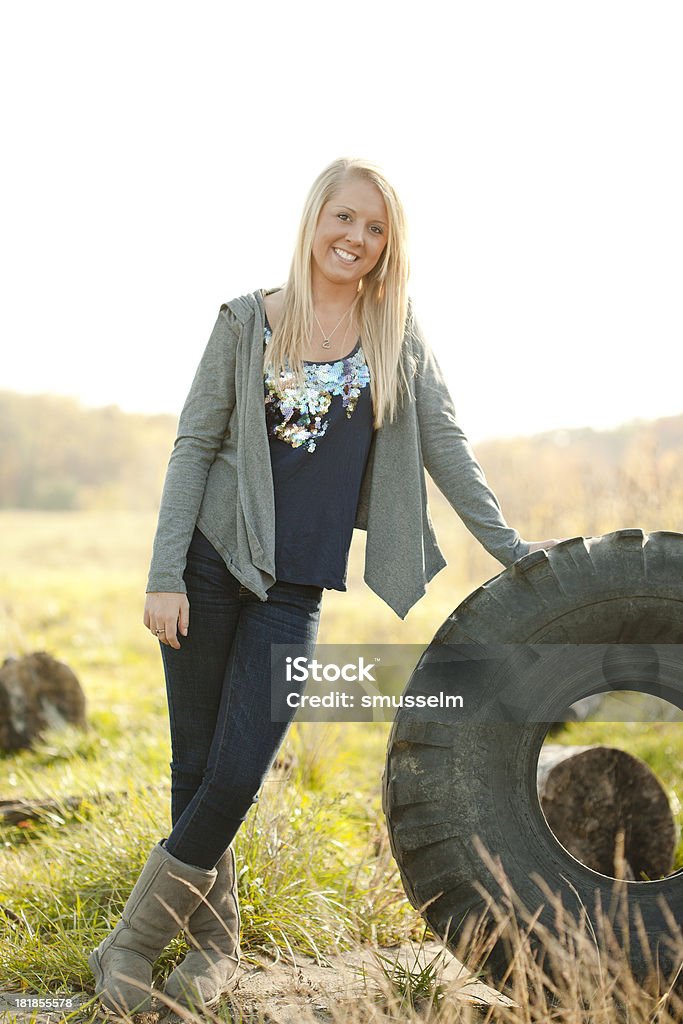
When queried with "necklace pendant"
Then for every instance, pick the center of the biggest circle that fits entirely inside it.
(326, 343)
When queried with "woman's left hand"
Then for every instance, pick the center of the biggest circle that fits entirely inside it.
(540, 545)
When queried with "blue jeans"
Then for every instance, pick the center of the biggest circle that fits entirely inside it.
(218, 686)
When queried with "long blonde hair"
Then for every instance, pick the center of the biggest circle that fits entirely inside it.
(382, 298)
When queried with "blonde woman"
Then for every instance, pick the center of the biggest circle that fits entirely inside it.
(315, 408)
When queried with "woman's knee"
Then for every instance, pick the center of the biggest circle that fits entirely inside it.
(233, 796)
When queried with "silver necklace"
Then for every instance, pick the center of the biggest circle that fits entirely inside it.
(327, 340)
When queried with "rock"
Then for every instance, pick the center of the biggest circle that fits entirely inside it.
(608, 809)
(37, 692)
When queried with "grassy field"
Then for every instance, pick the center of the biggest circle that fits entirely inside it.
(73, 584)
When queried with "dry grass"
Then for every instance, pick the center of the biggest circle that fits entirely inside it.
(74, 584)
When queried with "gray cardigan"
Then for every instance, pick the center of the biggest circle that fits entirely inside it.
(219, 474)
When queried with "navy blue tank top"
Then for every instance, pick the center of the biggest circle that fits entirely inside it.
(320, 436)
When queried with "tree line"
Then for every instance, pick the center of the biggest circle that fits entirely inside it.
(57, 454)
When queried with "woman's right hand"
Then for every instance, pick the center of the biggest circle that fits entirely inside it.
(165, 614)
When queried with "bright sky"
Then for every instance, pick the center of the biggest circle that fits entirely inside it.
(157, 157)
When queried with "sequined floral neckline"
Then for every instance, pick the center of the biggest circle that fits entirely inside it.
(296, 414)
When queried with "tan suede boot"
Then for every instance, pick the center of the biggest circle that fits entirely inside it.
(210, 969)
(161, 903)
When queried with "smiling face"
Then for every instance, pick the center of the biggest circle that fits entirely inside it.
(351, 233)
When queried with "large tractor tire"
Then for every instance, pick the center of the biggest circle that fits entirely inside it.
(461, 780)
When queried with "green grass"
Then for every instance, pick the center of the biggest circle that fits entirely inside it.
(73, 585)
(316, 872)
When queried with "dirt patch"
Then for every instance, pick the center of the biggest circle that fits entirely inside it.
(304, 989)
